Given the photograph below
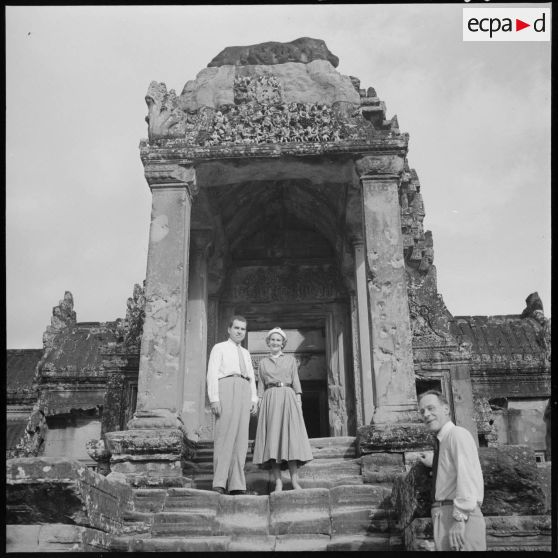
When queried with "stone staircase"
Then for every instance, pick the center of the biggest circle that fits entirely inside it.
(335, 511)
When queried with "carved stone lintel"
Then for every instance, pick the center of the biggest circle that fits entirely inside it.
(380, 167)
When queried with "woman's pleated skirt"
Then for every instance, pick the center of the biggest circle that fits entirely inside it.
(281, 433)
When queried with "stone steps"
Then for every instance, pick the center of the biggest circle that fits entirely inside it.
(265, 543)
(335, 510)
(341, 447)
(335, 463)
(187, 512)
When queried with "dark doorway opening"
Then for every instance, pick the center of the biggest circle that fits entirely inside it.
(314, 408)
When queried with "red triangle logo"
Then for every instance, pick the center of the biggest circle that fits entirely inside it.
(519, 25)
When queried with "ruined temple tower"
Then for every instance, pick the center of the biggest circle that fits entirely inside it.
(282, 192)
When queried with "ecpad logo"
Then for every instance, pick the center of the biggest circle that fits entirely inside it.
(506, 24)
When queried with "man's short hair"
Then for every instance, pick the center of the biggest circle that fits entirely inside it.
(238, 319)
(441, 397)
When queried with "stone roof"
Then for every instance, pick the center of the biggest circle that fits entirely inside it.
(20, 368)
(501, 339)
(77, 351)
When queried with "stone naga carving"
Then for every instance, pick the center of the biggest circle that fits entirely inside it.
(304, 50)
(132, 327)
(534, 310)
(164, 118)
(32, 442)
(97, 450)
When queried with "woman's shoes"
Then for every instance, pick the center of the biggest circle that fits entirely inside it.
(278, 485)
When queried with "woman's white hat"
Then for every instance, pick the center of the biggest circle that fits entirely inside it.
(276, 330)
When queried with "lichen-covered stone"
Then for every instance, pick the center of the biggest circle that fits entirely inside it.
(381, 467)
(243, 515)
(512, 486)
(385, 438)
(511, 481)
(55, 490)
(300, 511)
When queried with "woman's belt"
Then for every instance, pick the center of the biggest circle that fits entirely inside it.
(277, 384)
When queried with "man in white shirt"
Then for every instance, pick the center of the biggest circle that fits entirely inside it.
(231, 388)
(457, 520)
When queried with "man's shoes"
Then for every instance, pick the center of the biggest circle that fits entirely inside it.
(237, 492)
(218, 489)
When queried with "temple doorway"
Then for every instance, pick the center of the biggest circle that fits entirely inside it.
(280, 257)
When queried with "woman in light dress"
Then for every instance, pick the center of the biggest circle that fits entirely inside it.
(281, 438)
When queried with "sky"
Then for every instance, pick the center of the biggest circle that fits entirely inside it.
(77, 203)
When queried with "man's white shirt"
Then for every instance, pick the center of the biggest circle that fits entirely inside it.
(459, 476)
(224, 361)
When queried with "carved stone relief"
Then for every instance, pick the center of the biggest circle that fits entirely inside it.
(283, 284)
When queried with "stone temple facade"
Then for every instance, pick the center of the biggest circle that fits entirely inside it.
(281, 191)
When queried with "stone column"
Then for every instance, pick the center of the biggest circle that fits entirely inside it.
(392, 358)
(357, 375)
(366, 372)
(193, 381)
(149, 452)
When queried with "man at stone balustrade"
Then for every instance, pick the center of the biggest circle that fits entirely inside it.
(457, 481)
(231, 388)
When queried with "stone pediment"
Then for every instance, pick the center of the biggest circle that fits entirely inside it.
(272, 93)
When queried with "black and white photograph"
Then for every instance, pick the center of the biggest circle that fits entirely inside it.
(278, 278)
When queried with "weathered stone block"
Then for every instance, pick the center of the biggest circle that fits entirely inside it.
(334, 447)
(506, 533)
(54, 538)
(189, 524)
(175, 544)
(300, 511)
(389, 438)
(381, 467)
(379, 164)
(351, 507)
(545, 476)
(149, 500)
(411, 494)
(329, 471)
(301, 543)
(243, 515)
(511, 486)
(358, 542)
(418, 535)
(302, 50)
(146, 441)
(191, 499)
(512, 533)
(55, 490)
(253, 543)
